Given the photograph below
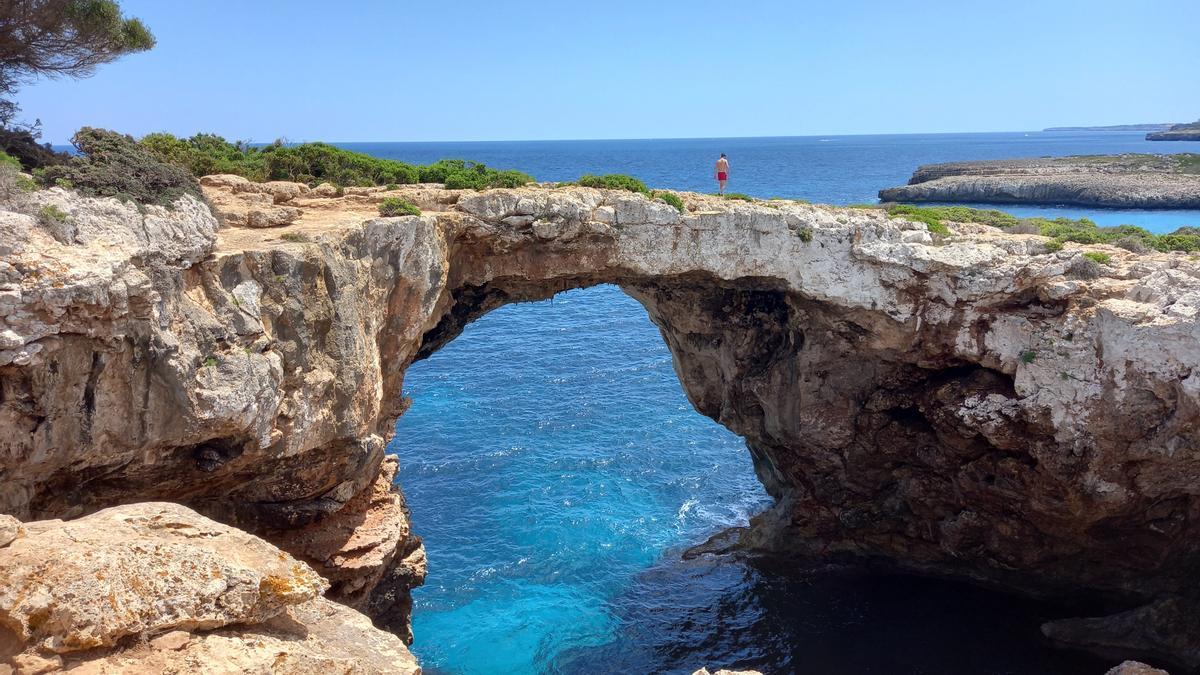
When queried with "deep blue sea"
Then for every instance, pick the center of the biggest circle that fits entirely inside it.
(556, 470)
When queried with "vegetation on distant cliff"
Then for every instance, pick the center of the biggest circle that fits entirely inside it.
(110, 164)
(1060, 230)
(1177, 132)
(313, 163)
(54, 38)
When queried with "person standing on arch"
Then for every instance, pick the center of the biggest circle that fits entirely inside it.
(722, 172)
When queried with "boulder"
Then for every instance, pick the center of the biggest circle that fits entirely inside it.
(156, 588)
(139, 570)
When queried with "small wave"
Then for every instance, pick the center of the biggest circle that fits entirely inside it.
(685, 509)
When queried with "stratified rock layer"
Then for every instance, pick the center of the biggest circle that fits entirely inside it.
(156, 588)
(969, 406)
(1118, 181)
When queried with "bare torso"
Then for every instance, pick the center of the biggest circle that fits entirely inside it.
(722, 165)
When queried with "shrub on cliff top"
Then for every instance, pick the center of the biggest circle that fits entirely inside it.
(931, 217)
(110, 164)
(613, 181)
(459, 174)
(206, 154)
(671, 199)
(394, 206)
(316, 163)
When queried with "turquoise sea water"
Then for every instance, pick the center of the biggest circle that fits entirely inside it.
(556, 470)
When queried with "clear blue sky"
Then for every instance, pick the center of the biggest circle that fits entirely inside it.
(488, 70)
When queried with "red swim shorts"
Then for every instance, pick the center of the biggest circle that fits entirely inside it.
(721, 175)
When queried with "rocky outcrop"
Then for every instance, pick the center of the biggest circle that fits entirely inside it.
(1122, 181)
(158, 588)
(1135, 668)
(1177, 132)
(966, 406)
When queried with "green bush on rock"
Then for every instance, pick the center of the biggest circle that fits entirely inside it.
(110, 164)
(671, 199)
(613, 181)
(51, 214)
(315, 163)
(394, 206)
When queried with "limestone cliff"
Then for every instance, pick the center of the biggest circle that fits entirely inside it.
(1177, 132)
(974, 406)
(1137, 181)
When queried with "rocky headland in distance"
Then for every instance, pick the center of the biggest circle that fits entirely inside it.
(1138, 181)
(1177, 132)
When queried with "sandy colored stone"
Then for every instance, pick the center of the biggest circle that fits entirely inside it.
(318, 637)
(365, 549)
(10, 529)
(36, 664)
(273, 217)
(284, 191)
(325, 190)
(138, 569)
(176, 639)
(960, 405)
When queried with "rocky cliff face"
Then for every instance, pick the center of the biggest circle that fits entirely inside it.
(1118, 181)
(1177, 132)
(974, 406)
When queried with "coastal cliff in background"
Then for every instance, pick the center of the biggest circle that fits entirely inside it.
(974, 405)
(1115, 181)
(1177, 132)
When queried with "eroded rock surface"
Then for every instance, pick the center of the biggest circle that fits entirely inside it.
(968, 406)
(156, 588)
(1119, 181)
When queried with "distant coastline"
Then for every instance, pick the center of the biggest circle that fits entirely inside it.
(1129, 181)
(1177, 132)
(1117, 127)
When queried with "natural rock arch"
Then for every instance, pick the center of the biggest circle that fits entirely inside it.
(962, 407)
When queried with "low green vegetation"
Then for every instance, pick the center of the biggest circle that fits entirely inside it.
(8, 160)
(394, 206)
(51, 214)
(613, 181)
(931, 218)
(1097, 256)
(1028, 356)
(315, 163)
(671, 199)
(1060, 230)
(805, 234)
(295, 237)
(737, 196)
(110, 164)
